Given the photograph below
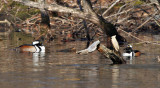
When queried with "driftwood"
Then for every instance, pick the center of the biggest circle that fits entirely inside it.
(110, 54)
(116, 59)
(91, 48)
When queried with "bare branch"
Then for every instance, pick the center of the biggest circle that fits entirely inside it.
(59, 8)
(6, 21)
(151, 17)
(111, 7)
(1, 7)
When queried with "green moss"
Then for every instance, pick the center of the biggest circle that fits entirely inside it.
(25, 12)
(34, 11)
(119, 5)
(138, 2)
(19, 10)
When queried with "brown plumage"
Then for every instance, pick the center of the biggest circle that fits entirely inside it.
(27, 48)
(136, 53)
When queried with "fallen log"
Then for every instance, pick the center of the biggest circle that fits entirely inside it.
(110, 54)
(116, 59)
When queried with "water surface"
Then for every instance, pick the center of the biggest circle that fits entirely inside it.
(54, 69)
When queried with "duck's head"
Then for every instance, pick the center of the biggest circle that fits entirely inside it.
(39, 45)
(35, 42)
(129, 45)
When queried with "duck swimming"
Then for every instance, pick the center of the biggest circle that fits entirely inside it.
(130, 52)
(36, 46)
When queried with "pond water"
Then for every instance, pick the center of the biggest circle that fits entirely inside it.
(54, 69)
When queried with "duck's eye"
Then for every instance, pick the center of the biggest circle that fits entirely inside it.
(129, 45)
(40, 43)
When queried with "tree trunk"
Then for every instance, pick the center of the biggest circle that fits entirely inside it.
(84, 24)
(45, 20)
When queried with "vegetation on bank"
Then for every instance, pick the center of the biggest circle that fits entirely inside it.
(128, 15)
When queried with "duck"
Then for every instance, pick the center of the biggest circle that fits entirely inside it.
(130, 52)
(35, 47)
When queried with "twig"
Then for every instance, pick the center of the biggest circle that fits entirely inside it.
(156, 22)
(5, 1)
(141, 41)
(111, 7)
(122, 19)
(1, 8)
(132, 35)
(142, 24)
(151, 17)
(6, 21)
(126, 11)
(120, 9)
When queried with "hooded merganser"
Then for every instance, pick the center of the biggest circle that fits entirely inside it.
(130, 52)
(36, 46)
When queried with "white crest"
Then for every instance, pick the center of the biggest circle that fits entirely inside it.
(35, 42)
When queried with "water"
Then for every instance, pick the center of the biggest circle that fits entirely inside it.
(54, 69)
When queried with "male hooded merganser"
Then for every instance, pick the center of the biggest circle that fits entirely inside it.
(36, 46)
(130, 52)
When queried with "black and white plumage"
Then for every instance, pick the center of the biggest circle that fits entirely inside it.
(39, 46)
(36, 46)
(130, 52)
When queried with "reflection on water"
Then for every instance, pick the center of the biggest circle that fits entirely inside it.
(37, 58)
(70, 70)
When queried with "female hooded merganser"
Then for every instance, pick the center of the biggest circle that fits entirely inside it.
(130, 52)
(36, 46)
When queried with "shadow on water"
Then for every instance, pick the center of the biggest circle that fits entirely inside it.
(70, 70)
